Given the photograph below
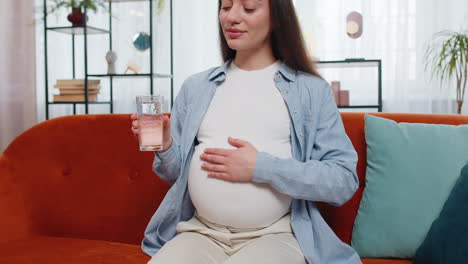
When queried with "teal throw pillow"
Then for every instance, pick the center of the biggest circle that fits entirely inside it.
(447, 240)
(411, 169)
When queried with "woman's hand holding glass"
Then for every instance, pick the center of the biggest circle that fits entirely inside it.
(167, 138)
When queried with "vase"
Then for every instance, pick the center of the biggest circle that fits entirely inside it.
(76, 17)
(111, 57)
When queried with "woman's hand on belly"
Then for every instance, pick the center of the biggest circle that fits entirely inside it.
(235, 165)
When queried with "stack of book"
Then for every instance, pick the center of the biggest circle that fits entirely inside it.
(73, 90)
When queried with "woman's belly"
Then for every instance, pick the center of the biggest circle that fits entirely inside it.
(240, 205)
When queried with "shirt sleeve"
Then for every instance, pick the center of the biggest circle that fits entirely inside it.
(330, 174)
(167, 164)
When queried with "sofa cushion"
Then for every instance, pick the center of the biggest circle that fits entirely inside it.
(45, 249)
(411, 169)
(341, 219)
(79, 176)
(446, 241)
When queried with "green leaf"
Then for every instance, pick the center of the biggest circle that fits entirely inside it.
(446, 57)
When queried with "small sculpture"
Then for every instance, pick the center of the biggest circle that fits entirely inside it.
(133, 67)
(111, 58)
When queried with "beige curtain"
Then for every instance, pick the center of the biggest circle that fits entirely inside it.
(17, 69)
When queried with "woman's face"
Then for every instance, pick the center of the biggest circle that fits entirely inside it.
(245, 23)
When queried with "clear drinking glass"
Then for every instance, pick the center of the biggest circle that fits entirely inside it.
(150, 121)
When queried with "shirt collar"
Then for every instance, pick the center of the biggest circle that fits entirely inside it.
(219, 74)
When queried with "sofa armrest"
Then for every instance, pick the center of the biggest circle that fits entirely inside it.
(14, 221)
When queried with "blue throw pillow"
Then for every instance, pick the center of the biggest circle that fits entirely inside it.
(411, 169)
(447, 240)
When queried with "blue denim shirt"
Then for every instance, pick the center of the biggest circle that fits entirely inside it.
(323, 167)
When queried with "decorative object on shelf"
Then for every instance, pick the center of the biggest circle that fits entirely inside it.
(354, 24)
(336, 85)
(73, 90)
(76, 17)
(133, 67)
(447, 58)
(341, 96)
(141, 41)
(111, 58)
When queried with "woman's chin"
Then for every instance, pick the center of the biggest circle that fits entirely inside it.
(235, 45)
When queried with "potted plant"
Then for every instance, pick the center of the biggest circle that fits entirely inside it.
(76, 17)
(447, 58)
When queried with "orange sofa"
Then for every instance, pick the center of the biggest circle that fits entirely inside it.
(76, 189)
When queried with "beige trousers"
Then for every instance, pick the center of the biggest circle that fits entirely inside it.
(202, 242)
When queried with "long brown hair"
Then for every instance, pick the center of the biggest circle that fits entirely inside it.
(286, 38)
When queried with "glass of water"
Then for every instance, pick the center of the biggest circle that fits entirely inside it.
(150, 121)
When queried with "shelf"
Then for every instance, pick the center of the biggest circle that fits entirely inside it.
(78, 30)
(117, 1)
(149, 75)
(358, 63)
(78, 102)
(348, 63)
(157, 75)
(358, 106)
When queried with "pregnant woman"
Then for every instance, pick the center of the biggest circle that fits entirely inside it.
(250, 147)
